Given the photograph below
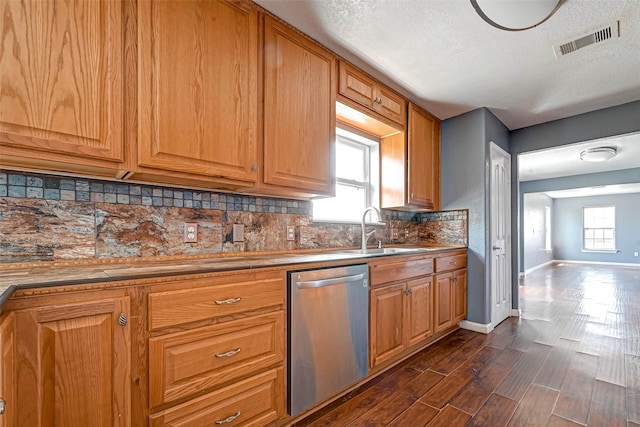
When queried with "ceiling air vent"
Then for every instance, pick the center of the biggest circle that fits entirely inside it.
(609, 32)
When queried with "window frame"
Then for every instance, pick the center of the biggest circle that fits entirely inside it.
(548, 244)
(612, 248)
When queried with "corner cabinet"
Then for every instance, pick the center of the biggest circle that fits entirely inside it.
(62, 86)
(410, 167)
(299, 113)
(73, 362)
(197, 82)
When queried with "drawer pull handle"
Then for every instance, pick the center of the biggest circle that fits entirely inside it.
(3, 406)
(230, 419)
(228, 301)
(228, 353)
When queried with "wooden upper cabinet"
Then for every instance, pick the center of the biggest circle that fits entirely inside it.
(299, 112)
(423, 175)
(73, 364)
(61, 90)
(363, 89)
(410, 167)
(197, 81)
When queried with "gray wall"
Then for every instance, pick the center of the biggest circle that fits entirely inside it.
(567, 230)
(465, 184)
(533, 231)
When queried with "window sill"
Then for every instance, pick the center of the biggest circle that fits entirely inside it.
(602, 251)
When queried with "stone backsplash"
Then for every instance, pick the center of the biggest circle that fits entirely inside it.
(45, 218)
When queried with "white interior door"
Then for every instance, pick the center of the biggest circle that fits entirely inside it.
(500, 234)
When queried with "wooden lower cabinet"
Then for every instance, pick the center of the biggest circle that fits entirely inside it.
(73, 363)
(450, 298)
(401, 317)
(459, 295)
(7, 371)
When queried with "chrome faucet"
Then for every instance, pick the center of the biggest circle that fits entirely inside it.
(365, 235)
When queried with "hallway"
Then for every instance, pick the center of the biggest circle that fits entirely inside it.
(571, 359)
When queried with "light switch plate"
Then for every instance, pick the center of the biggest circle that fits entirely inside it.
(190, 232)
(238, 232)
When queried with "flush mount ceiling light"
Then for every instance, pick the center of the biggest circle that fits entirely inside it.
(515, 15)
(599, 154)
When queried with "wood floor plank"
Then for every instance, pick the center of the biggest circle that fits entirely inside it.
(521, 376)
(444, 348)
(556, 421)
(388, 410)
(420, 385)
(448, 364)
(450, 417)
(632, 364)
(575, 327)
(472, 397)
(611, 362)
(608, 406)
(446, 389)
(398, 378)
(574, 401)
(535, 408)
(417, 415)
(527, 334)
(496, 411)
(553, 371)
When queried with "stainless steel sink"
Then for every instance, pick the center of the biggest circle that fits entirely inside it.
(383, 251)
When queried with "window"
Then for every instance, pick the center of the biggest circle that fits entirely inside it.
(357, 178)
(599, 228)
(547, 228)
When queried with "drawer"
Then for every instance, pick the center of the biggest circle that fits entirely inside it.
(399, 270)
(184, 363)
(452, 262)
(254, 402)
(233, 295)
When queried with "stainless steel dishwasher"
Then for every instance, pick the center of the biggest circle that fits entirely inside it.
(328, 333)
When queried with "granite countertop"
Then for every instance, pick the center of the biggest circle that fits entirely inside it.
(35, 275)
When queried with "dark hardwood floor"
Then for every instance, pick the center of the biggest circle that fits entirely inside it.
(571, 359)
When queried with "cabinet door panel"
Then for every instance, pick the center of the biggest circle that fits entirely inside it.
(76, 370)
(391, 105)
(299, 111)
(460, 294)
(420, 312)
(423, 159)
(387, 323)
(61, 86)
(443, 302)
(356, 85)
(198, 87)
(7, 371)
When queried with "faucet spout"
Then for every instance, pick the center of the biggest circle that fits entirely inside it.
(365, 235)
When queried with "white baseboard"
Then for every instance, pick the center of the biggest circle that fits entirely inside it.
(476, 327)
(623, 264)
(515, 312)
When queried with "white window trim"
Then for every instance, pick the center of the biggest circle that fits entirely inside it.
(612, 250)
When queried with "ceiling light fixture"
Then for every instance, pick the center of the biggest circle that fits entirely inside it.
(515, 15)
(599, 154)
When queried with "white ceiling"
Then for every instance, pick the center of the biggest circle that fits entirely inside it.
(443, 56)
(604, 190)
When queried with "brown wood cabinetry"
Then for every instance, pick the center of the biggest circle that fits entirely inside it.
(73, 363)
(62, 78)
(379, 99)
(451, 291)
(410, 167)
(401, 312)
(8, 400)
(299, 112)
(197, 82)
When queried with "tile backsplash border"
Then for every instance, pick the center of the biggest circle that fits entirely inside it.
(45, 217)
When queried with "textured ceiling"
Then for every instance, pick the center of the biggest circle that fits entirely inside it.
(443, 56)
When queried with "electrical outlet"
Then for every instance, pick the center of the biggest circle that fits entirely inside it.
(394, 233)
(190, 232)
(406, 233)
(291, 233)
(238, 232)
(635, 254)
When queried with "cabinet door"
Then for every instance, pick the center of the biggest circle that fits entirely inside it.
(198, 87)
(387, 327)
(356, 85)
(420, 309)
(443, 302)
(460, 295)
(391, 105)
(423, 160)
(74, 365)
(61, 86)
(7, 369)
(299, 111)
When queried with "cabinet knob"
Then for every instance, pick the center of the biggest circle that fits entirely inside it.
(254, 167)
(3, 406)
(122, 320)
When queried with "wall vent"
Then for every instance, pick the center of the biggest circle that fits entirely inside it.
(608, 33)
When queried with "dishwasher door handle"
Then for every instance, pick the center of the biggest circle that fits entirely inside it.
(329, 282)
